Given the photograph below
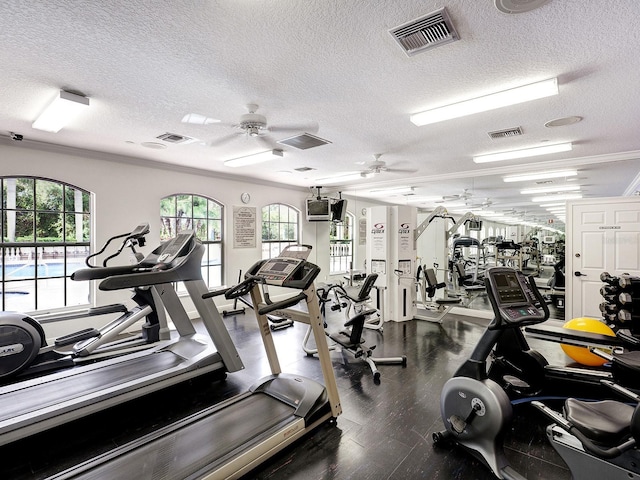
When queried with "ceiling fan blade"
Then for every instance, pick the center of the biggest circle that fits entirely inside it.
(222, 140)
(311, 127)
(401, 170)
(264, 141)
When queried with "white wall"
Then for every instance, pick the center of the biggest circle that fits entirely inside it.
(128, 194)
(127, 191)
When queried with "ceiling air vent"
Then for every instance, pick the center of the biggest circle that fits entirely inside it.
(174, 138)
(304, 141)
(508, 132)
(425, 32)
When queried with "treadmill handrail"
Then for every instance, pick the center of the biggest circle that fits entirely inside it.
(288, 302)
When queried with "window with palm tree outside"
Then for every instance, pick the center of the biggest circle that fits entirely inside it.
(280, 227)
(204, 215)
(45, 238)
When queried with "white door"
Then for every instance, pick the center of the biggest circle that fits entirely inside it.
(603, 235)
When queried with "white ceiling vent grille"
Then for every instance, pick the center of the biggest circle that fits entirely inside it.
(425, 32)
(174, 138)
(304, 141)
(508, 132)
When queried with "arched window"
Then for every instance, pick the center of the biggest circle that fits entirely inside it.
(341, 245)
(280, 227)
(45, 238)
(185, 211)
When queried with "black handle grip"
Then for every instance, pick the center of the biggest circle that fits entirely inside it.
(539, 298)
(241, 289)
(289, 302)
(216, 293)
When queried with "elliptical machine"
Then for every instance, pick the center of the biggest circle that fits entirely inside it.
(475, 409)
(24, 346)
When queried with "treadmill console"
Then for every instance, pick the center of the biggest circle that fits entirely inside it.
(276, 271)
(174, 247)
(513, 298)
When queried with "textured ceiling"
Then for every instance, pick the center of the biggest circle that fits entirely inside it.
(331, 68)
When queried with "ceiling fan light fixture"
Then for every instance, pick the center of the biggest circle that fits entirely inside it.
(253, 159)
(63, 109)
(526, 177)
(512, 96)
(523, 153)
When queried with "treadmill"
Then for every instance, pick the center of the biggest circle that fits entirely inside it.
(231, 438)
(36, 404)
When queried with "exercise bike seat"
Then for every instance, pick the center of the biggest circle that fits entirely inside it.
(606, 422)
(361, 293)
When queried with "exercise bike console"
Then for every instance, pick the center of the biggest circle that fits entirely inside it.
(514, 299)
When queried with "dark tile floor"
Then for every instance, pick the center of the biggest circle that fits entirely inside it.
(384, 432)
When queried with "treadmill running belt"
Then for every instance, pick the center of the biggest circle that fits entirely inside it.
(200, 445)
(49, 394)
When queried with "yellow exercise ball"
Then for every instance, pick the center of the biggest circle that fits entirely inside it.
(582, 355)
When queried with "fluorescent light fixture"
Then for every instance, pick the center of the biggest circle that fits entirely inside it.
(567, 196)
(550, 189)
(485, 103)
(393, 190)
(555, 204)
(526, 177)
(419, 199)
(197, 119)
(254, 158)
(64, 108)
(523, 153)
(346, 177)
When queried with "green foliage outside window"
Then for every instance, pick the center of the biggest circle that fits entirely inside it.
(205, 216)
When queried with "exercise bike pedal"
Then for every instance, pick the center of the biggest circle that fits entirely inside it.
(76, 337)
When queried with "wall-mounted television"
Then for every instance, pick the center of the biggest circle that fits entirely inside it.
(318, 209)
(475, 225)
(338, 210)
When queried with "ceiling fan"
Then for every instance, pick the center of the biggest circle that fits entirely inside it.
(379, 166)
(250, 125)
(465, 195)
(487, 202)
